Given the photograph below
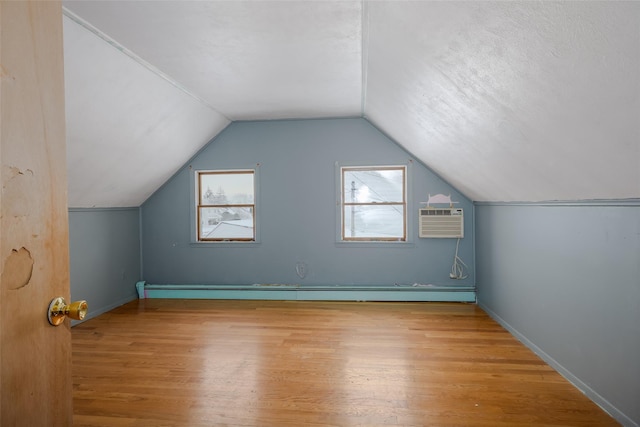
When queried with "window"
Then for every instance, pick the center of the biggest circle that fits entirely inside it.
(226, 205)
(374, 203)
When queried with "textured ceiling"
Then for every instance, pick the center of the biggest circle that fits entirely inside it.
(508, 101)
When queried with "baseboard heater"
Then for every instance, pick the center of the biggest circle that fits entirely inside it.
(415, 292)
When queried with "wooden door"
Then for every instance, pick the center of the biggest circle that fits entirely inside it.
(35, 358)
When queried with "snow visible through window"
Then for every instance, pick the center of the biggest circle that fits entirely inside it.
(374, 203)
(226, 206)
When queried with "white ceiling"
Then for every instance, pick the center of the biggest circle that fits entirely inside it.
(508, 101)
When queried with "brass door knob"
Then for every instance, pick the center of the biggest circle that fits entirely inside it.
(58, 310)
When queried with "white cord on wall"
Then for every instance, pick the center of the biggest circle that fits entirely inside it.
(458, 267)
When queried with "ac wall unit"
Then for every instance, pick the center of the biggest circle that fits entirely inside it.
(443, 223)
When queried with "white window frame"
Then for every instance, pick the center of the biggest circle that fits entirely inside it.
(198, 206)
(341, 235)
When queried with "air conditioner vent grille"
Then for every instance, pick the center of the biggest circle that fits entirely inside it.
(436, 212)
(443, 223)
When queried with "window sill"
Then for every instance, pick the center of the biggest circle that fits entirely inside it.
(223, 243)
(378, 244)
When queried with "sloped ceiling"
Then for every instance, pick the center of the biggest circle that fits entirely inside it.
(507, 101)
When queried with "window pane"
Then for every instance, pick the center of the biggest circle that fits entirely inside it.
(371, 186)
(369, 221)
(226, 223)
(226, 188)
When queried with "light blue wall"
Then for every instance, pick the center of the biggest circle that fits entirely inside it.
(296, 213)
(565, 279)
(104, 247)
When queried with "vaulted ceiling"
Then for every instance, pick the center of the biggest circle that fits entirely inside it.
(508, 101)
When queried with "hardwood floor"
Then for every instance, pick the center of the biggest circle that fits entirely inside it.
(271, 363)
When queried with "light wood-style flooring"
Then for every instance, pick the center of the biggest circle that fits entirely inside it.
(197, 363)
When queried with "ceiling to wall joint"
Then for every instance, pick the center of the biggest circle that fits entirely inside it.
(110, 41)
(365, 49)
